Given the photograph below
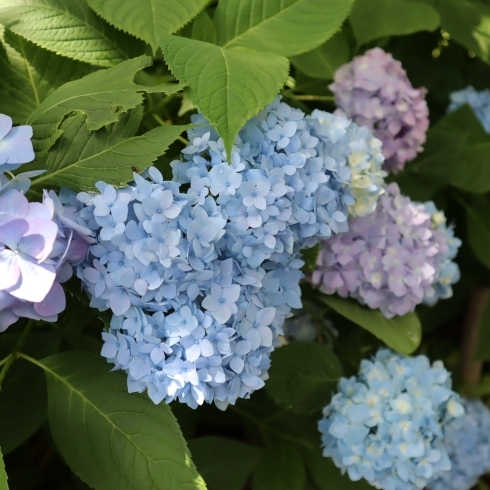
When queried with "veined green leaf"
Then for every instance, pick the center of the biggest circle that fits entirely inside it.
(322, 62)
(372, 19)
(225, 464)
(286, 27)
(30, 74)
(303, 375)
(111, 439)
(229, 86)
(150, 18)
(69, 28)
(3, 475)
(81, 157)
(203, 29)
(402, 333)
(102, 96)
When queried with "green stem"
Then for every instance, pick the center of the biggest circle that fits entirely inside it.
(160, 121)
(9, 360)
(325, 98)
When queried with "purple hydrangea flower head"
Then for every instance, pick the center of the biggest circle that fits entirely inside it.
(200, 282)
(15, 145)
(468, 446)
(389, 423)
(39, 245)
(393, 259)
(374, 91)
(479, 101)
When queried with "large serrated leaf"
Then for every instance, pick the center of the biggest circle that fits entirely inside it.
(81, 157)
(69, 28)
(111, 439)
(3, 474)
(151, 18)
(372, 19)
(102, 96)
(229, 86)
(322, 62)
(478, 232)
(303, 376)
(225, 464)
(468, 23)
(402, 333)
(286, 27)
(30, 74)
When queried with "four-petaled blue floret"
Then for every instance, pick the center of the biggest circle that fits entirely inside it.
(388, 425)
(479, 101)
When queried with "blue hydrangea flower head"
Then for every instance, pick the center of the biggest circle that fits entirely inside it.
(201, 272)
(468, 446)
(479, 101)
(388, 424)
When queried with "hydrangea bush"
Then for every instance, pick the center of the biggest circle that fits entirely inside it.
(226, 225)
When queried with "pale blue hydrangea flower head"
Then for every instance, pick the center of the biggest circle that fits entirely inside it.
(393, 259)
(201, 272)
(479, 101)
(388, 424)
(468, 446)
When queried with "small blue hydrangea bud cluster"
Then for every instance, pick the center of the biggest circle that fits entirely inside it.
(479, 101)
(468, 446)
(388, 424)
(200, 282)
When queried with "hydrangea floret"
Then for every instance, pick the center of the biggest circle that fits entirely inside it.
(374, 91)
(393, 259)
(388, 424)
(200, 272)
(479, 101)
(468, 446)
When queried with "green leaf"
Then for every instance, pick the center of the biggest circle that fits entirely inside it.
(151, 17)
(30, 74)
(322, 62)
(402, 333)
(286, 27)
(3, 475)
(111, 439)
(224, 464)
(468, 23)
(69, 28)
(469, 142)
(327, 476)
(372, 19)
(203, 29)
(303, 375)
(280, 467)
(229, 86)
(102, 96)
(478, 222)
(81, 158)
(23, 401)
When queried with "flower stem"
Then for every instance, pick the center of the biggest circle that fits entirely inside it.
(325, 98)
(9, 360)
(469, 369)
